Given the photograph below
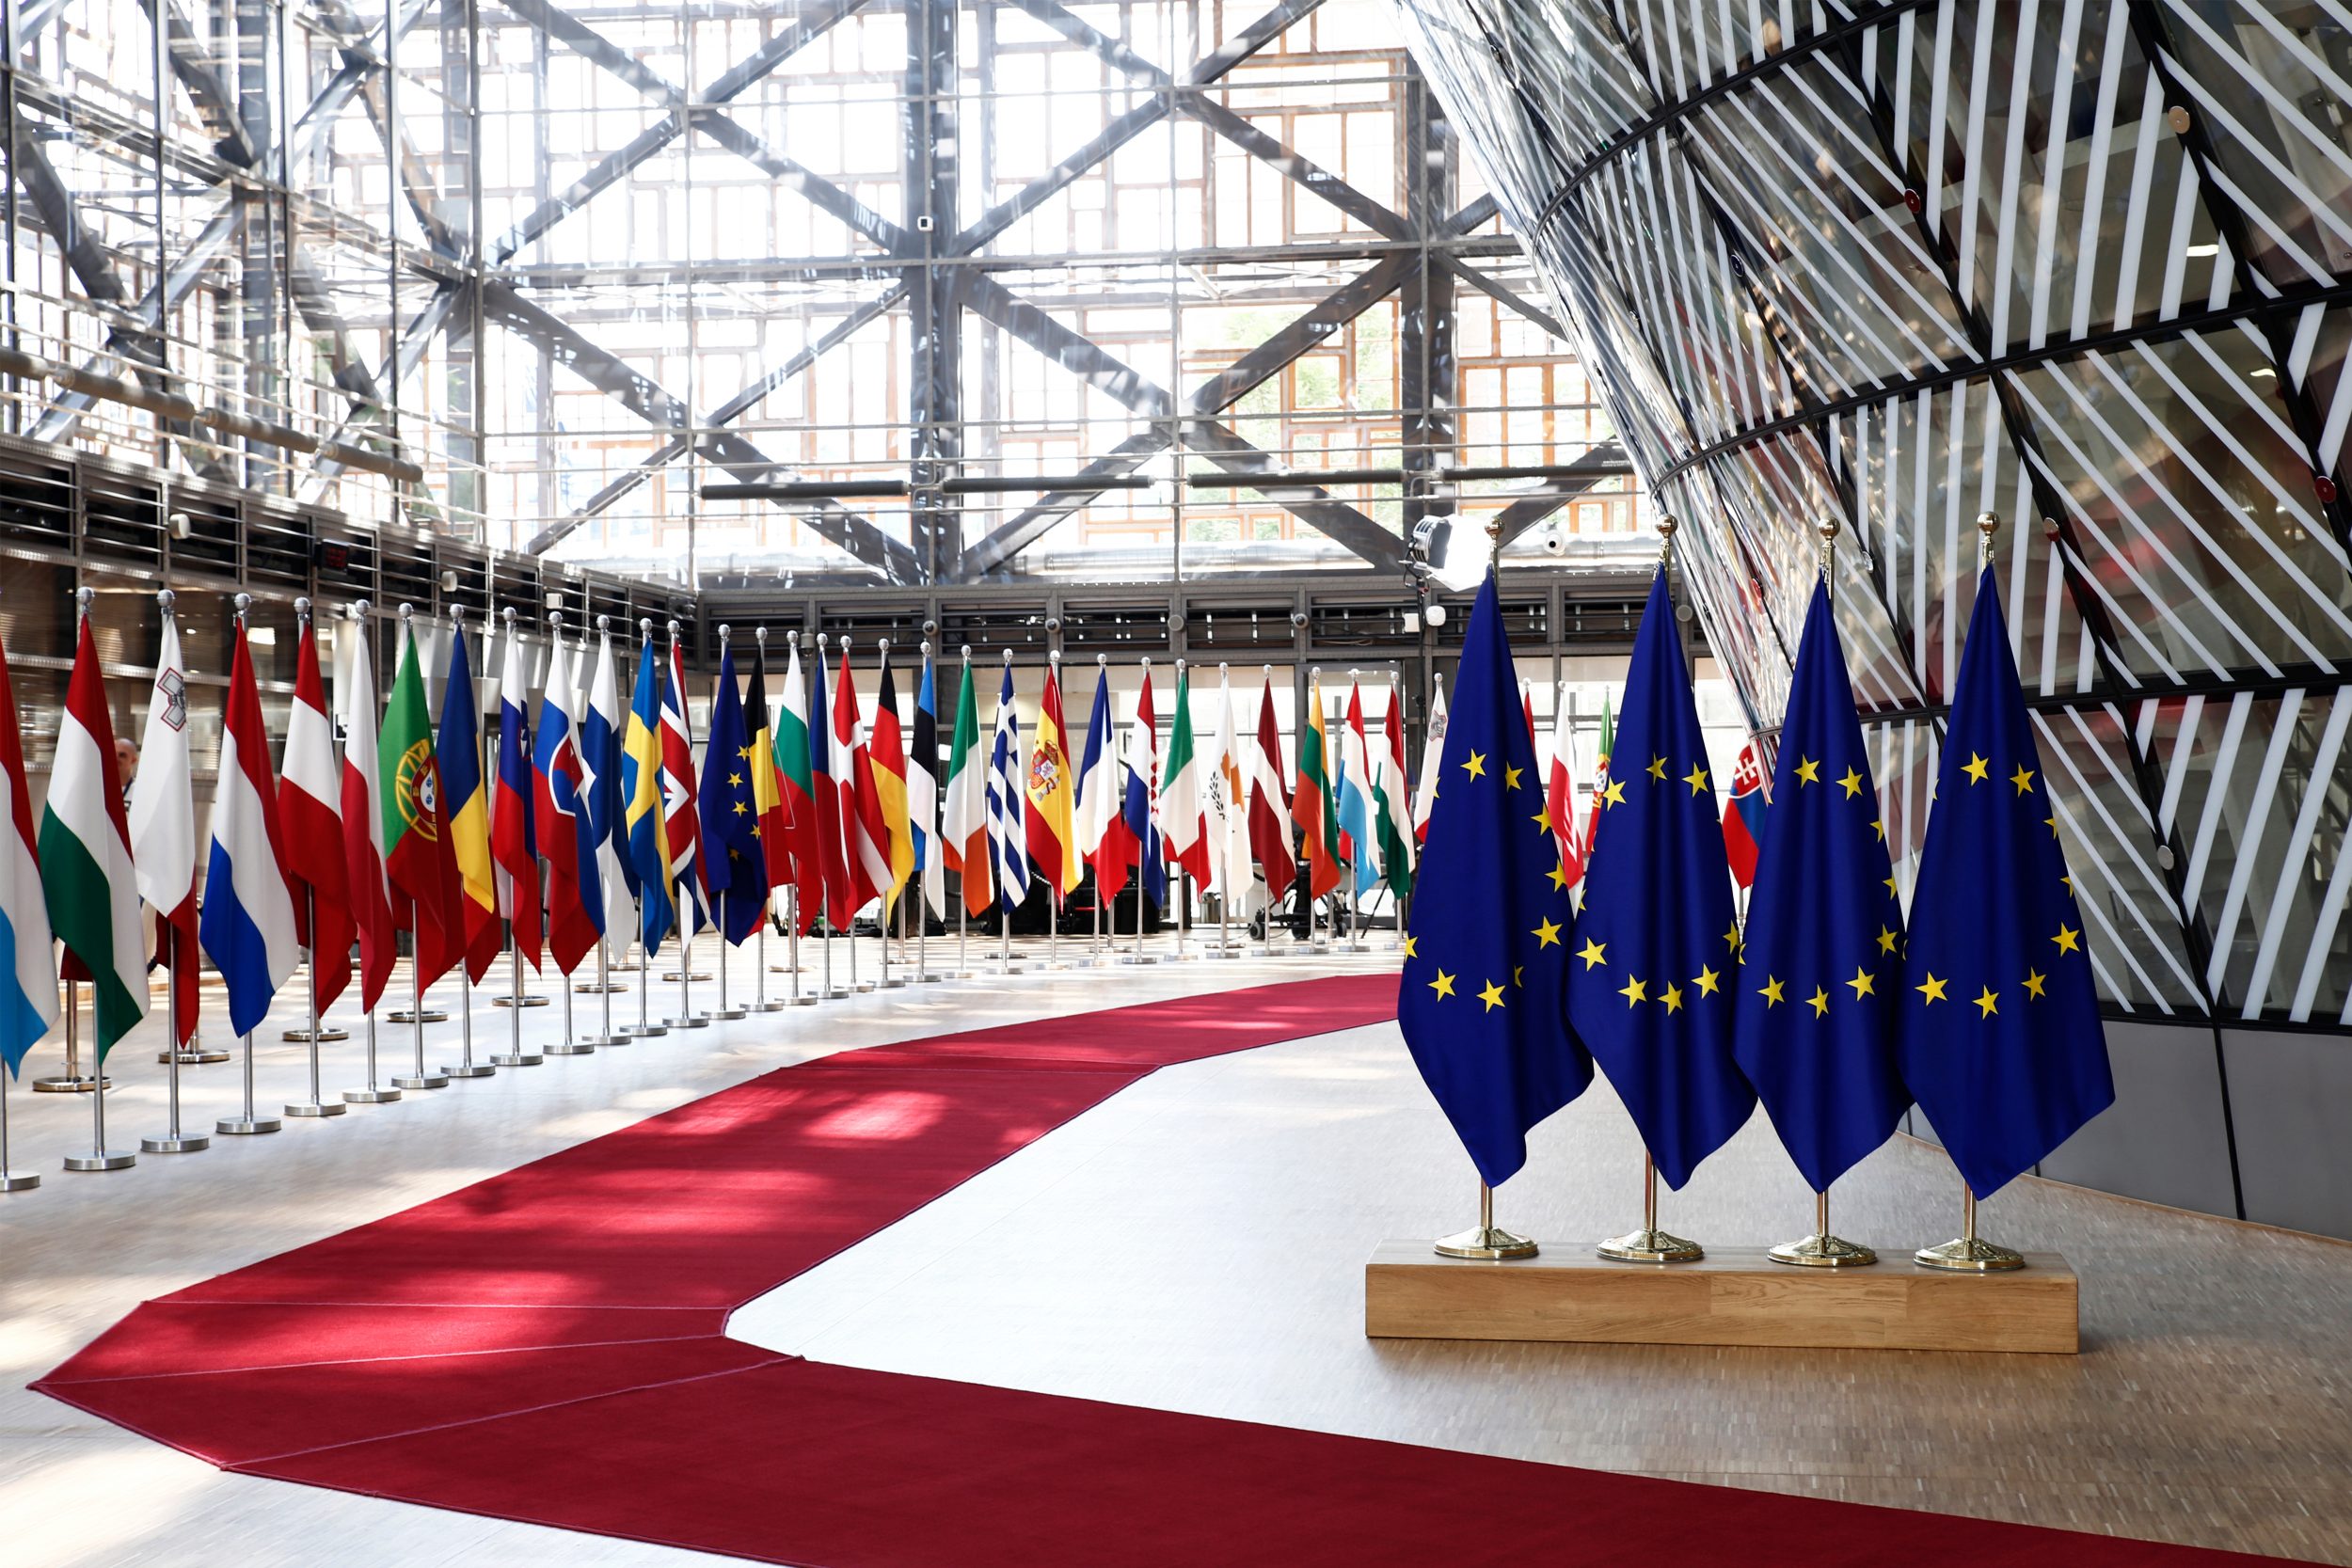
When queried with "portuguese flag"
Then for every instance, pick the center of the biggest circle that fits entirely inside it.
(1310, 805)
(85, 872)
(419, 853)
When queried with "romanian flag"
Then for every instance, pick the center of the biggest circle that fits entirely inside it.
(1051, 829)
(458, 755)
(888, 747)
(1312, 806)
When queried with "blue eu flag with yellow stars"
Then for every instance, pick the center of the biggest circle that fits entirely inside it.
(1657, 949)
(2000, 1038)
(1479, 1002)
(1814, 1021)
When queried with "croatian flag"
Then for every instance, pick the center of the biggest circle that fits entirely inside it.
(1743, 816)
(248, 923)
(513, 844)
(566, 834)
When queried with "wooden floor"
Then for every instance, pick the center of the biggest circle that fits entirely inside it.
(1198, 1243)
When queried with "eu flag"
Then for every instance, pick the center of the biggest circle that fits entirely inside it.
(2000, 1036)
(1657, 949)
(1479, 1002)
(730, 812)
(1813, 1023)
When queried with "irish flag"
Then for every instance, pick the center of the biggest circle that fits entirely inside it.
(963, 822)
(87, 878)
(1183, 825)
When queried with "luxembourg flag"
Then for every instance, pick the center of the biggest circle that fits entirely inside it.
(248, 923)
(29, 964)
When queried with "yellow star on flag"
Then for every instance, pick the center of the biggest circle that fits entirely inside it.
(2023, 779)
(1476, 765)
(1559, 875)
(1731, 938)
(1547, 933)
(1615, 794)
(1818, 1001)
(1492, 996)
(2068, 938)
(1932, 990)
(2036, 982)
(1695, 778)
(1542, 820)
(1988, 1002)
(1862, 982)
(1633, 990)
(1886, 939)
(1409, 947)
(1444, 984)
(1808, 771)
(1658, 768)
(1593, 953)
(1772, 991)
(1673, 999)
(1975, 768)
(1707, 982)
(735, 779)
(1511, 776)
(1851, 783)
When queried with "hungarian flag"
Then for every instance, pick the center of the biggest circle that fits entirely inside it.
(1432, 761)
(642, 826)
(601, 763)
(1047, 828)
(562, 823)
(964, 817)
(865, 835)
(923, 791)
(825, 787)
(1310, 805)
(1141, 811)
(28, 963)
(1270, 804)
(466, 805)
(513, 838)
(678, 806)
(91, 891)
(312, 830)
(1184, 826)
(775, 822)
(795, 777)
(163, 828)
(1743, 816)
(248, 918)
(363, 821)
(417, 859)
(1392, 809)
(887, 746)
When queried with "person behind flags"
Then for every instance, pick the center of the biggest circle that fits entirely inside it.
(1270, 805)
(562, 825)
(923, 794)
(1432, 757)
(248, 922)
(1658, 949)
(1488, 955)
(865, 835)
(312, 829)
(466, 803)
(514, 837)
(679, 810)
(1354, 795)
(601, 763)
(1814, 1019)
(1310, 804)
(1046, 823)
(1184, 822)
(1745, 813)
(730, 809)
(886, 746)
(965, 818)
(162, 820)
(1140, 810)
(363, 815)
(28, 961)
(1999, 1036)
(1391, 806)
(1006, 833)
(1560, 796)
(645, 828)
(1100, 829)
(796, 780)
(842, 899)
(87, 881)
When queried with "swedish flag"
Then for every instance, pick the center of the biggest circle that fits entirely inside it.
(2000, 1035)
(1479, 1002)
(1822, 971)
(1657, 948)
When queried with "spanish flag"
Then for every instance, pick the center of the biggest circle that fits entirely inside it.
(1051, 828)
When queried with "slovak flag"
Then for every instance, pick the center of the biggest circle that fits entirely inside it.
(513, 844)
(566, 834)
(248, 923)
(1743, 816)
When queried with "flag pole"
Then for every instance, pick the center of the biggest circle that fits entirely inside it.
(604, 938)
(1484, 1240)
(688, 1018)
(894, 903)
(100, 1157)
(374, 1093)
(724, 1010)
(514, 1055)
(768, 897)
(11, 1180)
(174, 1141)
(793, 930)
(420, 1079)
(250, 1123)
(571, 1045)
(1052, 893)
(1970, 1254)
(1143, 846)
(646, 1028)
(309, 960)
(466, 1066)
(932, 855)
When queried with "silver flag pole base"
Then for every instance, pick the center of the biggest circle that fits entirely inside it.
(328, 1035)
(514, 1058)
(95, 1159)
(178, 1143)
(730, 1014)
(571, 1048)
(313, 1108)
(531, 999)
(18, 1181)
(1485, 1241)
(205, 1056)
(1650, 1246)
(420, 1081)
(599, 987)
(699, 975)
(246, 1127)
(471, 1069)
(63, 1085)
(408, 1015)
(371, 1097)
(648, 1031)
(692, 1020)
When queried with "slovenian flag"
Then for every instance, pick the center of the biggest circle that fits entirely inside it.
(248, 923)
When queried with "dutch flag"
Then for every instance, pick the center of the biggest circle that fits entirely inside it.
(248, 923)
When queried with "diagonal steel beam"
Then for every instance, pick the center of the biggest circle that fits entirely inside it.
(1606, 461)
(1313, 504)
(1502, 294)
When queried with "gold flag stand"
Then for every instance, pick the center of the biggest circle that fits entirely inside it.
(1484, 1240)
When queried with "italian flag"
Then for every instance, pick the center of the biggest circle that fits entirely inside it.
(85, 871)
(1183, 825)
(798, 787)
(963, 825)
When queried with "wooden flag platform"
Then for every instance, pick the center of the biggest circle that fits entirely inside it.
(1733, 1296)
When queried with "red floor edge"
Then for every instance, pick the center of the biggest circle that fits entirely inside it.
(549, 1345)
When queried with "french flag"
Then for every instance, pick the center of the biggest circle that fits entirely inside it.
(566, 834)
(1103, 841)
(1743, 816)
(248, 923)
(513, 844)
(1142, 812)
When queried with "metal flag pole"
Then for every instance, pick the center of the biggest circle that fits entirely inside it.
(73, 1080)
(571, 1045)
(1142, 847)
(726, 1009)
(893, 904)
(174, 1141)
(317, 1105)
(760, 1002)
(827, 990)
(1052, 893)
(646, 1028)
(604, 984)
(1651, 1244)
(924, 974)
(514, 1055)
(686, 1017)
(100, 1157)
(466, 1066)
(792, 945)
(250, 1123)
(1223, 849)
(374, 1094)
(1971, 1254)
(1484, 1240)
(11, 1180)
(420, 1079)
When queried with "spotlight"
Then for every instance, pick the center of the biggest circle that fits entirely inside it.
(1446, 555)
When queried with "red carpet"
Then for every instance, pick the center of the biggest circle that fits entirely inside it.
(549, 1345)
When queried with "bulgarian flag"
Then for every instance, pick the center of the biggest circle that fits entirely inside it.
(86, 877)
(963, 823)
(1310, 804)
(417, 857)
(797, 785)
